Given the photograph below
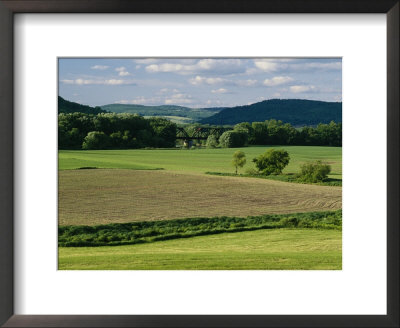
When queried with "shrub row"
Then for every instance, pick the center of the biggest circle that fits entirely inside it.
(150, 231)
(288, 177)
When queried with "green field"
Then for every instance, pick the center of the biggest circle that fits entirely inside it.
(130, 186)
(283, 249)
(175, 119)
(197, 160)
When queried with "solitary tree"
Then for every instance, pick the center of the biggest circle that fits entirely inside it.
(272, 161)
(314, 172)
(239, 159)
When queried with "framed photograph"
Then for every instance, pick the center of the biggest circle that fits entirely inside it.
(197, 167)
(182, 164)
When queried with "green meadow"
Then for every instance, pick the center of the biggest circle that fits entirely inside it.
(283, 249)
(195, 160)
(104, 195)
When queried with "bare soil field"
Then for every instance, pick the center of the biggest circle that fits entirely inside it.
(101, 196)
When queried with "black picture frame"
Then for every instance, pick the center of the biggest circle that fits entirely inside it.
(10, 7)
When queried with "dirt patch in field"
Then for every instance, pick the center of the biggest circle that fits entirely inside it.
(105, 196)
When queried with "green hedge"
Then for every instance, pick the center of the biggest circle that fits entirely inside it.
(150, 231)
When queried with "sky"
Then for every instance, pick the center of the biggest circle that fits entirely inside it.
(198, 82)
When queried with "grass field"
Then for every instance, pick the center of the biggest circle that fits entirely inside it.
(175, 119)
(108, 196)
(283, 249)
(154, 185)
(197, 160)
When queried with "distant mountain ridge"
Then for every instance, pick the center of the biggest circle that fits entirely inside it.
(297, 112)
(193, 114)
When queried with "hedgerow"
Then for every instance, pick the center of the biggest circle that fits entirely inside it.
(150, 231)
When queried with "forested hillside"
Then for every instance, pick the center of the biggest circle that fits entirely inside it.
(297, 112)
(65, 106)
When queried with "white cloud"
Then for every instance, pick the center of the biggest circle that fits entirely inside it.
(220, 90)
(145, 61)
(154, 68)
(99, 67)
(220, 66)
(246, 83)
(122, 71)
(96, 82)
(179, 98)
(175, 99)
(327, 66)
(213, 102)
(277, 80)
(164, 91)
(302, 88)
(274, 64)
(266, 65)
(198, 80)
(140, 101)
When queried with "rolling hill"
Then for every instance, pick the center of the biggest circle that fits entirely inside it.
(187, 115)
(65, 106)
(297, 112)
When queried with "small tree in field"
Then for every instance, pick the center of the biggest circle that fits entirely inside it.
(314, 172)
(272, 161)
(239, 159)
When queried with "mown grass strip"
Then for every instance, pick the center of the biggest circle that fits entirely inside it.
(281, 177)
(151, 231)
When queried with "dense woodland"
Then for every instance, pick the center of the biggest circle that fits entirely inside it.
(125, 131)
(113, 131)
(273, 132)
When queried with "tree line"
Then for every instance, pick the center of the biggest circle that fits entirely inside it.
(273, 132)
(124, 131)
(113, 131)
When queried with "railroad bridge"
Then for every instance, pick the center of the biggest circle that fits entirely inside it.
(199, 133)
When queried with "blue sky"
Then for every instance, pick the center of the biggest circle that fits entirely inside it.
(198, 82)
